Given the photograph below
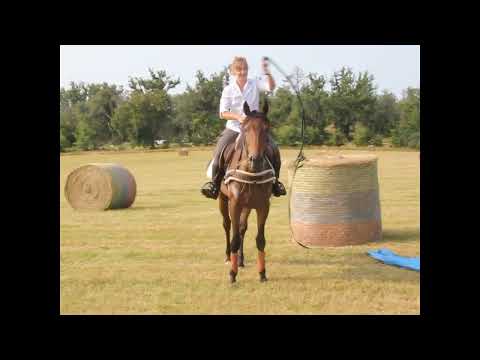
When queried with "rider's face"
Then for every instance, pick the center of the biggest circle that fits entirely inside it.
(241, 71)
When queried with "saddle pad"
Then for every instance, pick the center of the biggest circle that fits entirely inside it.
(209, 169)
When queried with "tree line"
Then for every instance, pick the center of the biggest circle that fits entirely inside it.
(95, 116)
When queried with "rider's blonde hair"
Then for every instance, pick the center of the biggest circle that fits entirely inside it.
(237, 61)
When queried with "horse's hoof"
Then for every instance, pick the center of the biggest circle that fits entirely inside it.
(241, 265)
(263, 277)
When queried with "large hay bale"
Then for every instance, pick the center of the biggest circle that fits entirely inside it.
(335, 201)
(100, 186)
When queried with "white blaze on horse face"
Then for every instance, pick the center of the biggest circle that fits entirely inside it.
(254, 149)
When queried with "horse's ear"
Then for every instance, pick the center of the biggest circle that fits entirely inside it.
(246, 108)
(265, 107)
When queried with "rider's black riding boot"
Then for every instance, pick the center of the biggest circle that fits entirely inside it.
(277, 187)
(211, 189)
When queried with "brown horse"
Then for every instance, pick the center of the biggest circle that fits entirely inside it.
(247, 186)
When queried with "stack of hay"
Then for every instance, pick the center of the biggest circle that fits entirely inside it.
(335, 201)
(100, 187)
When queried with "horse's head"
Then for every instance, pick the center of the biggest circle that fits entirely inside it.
(255, 128)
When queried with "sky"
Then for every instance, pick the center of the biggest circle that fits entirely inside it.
(394, 67)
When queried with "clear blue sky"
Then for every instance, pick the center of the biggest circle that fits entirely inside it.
(395, 67)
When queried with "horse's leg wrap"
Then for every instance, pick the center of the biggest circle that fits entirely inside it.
(234, 261)
(261, 261)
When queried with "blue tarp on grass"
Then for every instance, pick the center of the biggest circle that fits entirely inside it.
(390, 258)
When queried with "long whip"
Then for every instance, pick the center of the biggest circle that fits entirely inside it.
(300, 157)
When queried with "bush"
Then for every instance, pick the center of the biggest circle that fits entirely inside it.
(64, 143)
(337, 139)
(377, 140)
(398, 137)
(313, 135)
(286, 135)
(124, 146)
(406, 137)
(414, 140)
(362, 135)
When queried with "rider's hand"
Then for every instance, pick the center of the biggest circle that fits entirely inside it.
(265, 68)
(242, 118)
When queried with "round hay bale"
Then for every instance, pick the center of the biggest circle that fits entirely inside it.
(183, 152)
(335, 201)
(100, 186)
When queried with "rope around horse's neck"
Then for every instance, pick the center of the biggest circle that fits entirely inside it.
(300, 156)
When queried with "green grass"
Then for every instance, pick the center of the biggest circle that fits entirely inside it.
(164, 255)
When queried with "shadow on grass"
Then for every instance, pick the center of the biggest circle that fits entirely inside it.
(356, 266)
(151, 207)
(374, 271)
(404, 235)
(353, 267)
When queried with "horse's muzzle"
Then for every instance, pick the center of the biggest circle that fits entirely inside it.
(256, 163)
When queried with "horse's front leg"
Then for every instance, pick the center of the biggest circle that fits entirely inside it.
(223, 205)
(235, 211)
(262, 214)
(243, 229)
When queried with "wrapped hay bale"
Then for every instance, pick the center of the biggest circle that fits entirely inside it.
(183, 152)
(100, 187)
(335, 201)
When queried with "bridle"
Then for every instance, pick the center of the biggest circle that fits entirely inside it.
(261, 177)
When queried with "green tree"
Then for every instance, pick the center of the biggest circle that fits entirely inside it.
(94, 127)
(149, 112)
(365, 99)
(407, 131)
(77, 93)
(72, 101)
(352, 99)
(124, 129)
(281, 105)
(386, 114)
(362, 134)
(315, 100)
(341, 100)
(196, 111)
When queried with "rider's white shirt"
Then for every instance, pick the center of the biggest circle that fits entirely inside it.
(233, 98)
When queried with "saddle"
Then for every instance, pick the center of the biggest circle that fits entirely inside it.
(226, 155)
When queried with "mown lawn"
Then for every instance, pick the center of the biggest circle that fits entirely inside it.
(164, 255)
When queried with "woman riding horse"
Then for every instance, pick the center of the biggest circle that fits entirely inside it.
(233, 97)
(247, 186)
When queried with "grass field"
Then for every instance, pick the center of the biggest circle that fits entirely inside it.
(164, 255)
